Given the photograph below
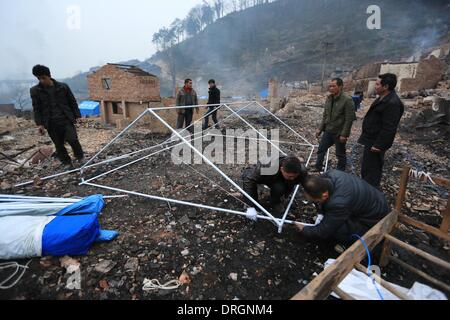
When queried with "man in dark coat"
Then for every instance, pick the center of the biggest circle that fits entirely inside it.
(213, 100)
(280, 175)
(56, 110)
(186, 97)
(379, 128)
(349, 206)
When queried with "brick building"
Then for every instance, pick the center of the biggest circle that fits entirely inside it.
(124, 92)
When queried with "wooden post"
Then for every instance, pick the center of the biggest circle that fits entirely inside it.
(321, 286)
(418, 252)
(401, 196)
(421, 274)
(425, 227)
(446, 221)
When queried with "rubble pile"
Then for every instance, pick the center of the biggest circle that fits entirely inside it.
(223, 256)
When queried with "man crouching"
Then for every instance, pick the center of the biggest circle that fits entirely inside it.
(349, 205)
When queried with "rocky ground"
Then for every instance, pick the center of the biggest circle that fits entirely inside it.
(223, 256)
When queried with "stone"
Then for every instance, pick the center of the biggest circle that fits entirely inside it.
(105, 266)
(132, 265)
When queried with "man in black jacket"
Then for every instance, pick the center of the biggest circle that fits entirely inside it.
(281, 176)
(379, 128)
(56, 110)
(214, 100)
(349, 206)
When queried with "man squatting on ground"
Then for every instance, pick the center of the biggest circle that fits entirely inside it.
(349, 206)
(56, 110)
(288, 173)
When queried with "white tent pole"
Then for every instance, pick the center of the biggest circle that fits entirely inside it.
(115, 138)
(191, 204)
(215, 167)
(135, 161)
(285, 124)
(283, 220)
(259, 133)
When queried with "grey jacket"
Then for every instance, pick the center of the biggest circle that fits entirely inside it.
(339, 115)
(182, 96)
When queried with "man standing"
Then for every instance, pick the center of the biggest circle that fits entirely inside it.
(214, 100)
(336, 125)
(289, 173)
(56, 110)
(349, 205)
(186, 97)
(380, 127)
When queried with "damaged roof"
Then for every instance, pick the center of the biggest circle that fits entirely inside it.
(132, 69)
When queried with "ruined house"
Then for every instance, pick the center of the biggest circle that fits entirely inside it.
(7, 109)
(412, 76)
(124, 92)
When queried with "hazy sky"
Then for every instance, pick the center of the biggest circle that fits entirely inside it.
(49, 32)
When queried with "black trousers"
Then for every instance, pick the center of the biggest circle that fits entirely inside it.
(185, 119)
(372, 166)
(211, 112)
(278, 190)
(328, 140)
(61, 133)
(345, 234)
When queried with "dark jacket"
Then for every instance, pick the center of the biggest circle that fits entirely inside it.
(214, 96)
(182, 99)
(351, 200)
(381, 122)
(64, 100)
(339, 115)
(253, 176)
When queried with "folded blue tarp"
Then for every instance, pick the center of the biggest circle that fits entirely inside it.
(71, 231)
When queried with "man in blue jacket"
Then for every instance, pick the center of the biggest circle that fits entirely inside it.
(349, 205)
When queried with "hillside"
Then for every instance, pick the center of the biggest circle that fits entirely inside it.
(285, 38)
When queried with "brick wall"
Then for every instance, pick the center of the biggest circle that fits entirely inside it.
(125, 86)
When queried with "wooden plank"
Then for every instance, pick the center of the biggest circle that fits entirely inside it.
(422, 274)
(342, 294)
(441, 181)
(418, 252)
(446, 221)
(425, 227)
(321, 286)
(384, 283)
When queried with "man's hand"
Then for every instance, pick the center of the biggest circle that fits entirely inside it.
(375, 150)
(318, 133)
(299, 227)
(41, 130)
(343, 139)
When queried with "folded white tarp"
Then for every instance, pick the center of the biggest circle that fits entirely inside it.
(21, 237)
(361, 287)
(34, 227)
